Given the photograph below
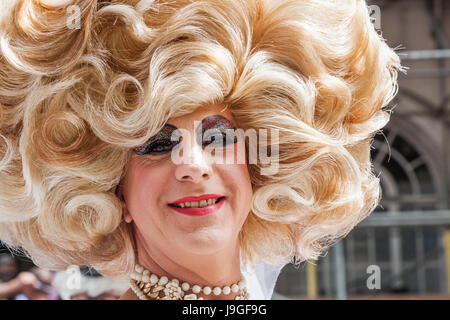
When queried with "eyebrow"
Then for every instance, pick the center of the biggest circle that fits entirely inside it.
(217, 120)
(209, 118)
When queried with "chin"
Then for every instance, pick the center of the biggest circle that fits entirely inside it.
(205, 242)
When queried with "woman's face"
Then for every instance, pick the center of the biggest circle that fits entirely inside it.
(151, 187)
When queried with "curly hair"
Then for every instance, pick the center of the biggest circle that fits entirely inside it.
(75, 101)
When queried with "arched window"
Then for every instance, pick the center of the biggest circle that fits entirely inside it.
(409, 165)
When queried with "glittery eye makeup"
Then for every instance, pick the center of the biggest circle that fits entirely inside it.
(215, 125)
(160, 143)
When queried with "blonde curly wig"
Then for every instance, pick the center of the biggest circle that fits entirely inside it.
(75, 101)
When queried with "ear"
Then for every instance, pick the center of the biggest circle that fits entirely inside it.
(126, 214)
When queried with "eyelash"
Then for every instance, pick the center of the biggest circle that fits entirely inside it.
(224, 140)
(166, 143)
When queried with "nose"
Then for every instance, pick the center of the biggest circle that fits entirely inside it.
(195, 166)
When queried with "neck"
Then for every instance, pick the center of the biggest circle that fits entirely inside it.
(219, 269)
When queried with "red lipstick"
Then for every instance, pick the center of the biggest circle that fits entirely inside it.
(199, 211)
(200, 198)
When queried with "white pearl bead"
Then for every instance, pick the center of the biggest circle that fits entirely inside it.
(139, 268)
(163, 280)
(154, 278)
(185, 286)
(191, 296)
(206, 290)
(142, 275)
(196, 289)
(133, 275)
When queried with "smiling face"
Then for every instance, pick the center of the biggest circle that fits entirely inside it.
(158, 190)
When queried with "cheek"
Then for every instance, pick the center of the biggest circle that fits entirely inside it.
(238, 179)
(142, 188)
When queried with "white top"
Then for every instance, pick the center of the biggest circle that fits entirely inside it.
(261, 280)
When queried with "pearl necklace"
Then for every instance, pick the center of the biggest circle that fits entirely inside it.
(149, 286)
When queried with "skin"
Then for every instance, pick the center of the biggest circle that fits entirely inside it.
(202, 250)
(25, 282)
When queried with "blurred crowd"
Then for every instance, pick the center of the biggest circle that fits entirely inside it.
(20, 279)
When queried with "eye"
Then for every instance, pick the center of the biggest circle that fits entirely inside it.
(161, 143)
(218, 138)
(217, 131)
(160, 147)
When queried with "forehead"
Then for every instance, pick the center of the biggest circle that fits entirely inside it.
(187, 120)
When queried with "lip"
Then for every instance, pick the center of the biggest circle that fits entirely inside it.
(199, 211)
(199, 198)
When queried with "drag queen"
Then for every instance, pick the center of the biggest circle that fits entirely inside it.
(115, 117)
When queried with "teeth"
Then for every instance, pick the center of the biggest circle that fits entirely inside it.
(196, 204)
